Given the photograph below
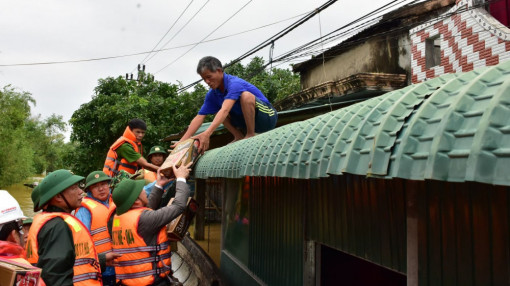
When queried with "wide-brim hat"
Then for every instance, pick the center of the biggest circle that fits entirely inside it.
(96, 177)
(55, 183)
(125, 194)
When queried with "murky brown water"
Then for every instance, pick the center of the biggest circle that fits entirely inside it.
(22, 194)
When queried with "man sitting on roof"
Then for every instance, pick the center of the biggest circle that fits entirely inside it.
(238, 104)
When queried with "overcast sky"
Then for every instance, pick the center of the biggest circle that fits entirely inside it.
(35, 31)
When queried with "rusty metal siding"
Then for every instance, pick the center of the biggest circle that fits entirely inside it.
(463, 234)
(359, 216)
(276, 230)
(213, 200)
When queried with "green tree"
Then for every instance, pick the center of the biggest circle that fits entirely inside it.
(15, 149)
(47, 140)
(98, 123)
(27, 144)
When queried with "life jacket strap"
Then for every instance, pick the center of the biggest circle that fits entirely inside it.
(102, 241)
(156, 258)
(98, 230)
(86, 276)
(156, 271)
(82, 261)
(158, 247)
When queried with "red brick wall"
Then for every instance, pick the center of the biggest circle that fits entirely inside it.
(470, 38)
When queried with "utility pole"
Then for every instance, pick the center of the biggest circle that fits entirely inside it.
(140, 75)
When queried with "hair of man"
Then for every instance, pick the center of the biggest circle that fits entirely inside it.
(137, 123)
(210, 63)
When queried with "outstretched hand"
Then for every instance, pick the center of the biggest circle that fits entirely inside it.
(111, 258)
(175, 144)
(203, 139)
(161, 180)
(182, 171)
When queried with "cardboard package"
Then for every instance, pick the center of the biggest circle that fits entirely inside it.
(18, 274)
(185, 152)
(178, 227)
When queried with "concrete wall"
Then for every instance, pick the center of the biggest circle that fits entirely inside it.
(383, 54)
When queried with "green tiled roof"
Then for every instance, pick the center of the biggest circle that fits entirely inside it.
(455, 127)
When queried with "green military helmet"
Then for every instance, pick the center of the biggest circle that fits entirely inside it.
(55, 183)
(96, 177)
(27, 221)
(125, 194)
(36, 195)
(156, 150)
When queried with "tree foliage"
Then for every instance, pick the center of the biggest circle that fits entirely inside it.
(98, 123)
(28, 144)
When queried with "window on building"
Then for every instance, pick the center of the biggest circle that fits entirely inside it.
(432, 51)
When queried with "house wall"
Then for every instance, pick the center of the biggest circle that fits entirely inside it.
(268, 222)
(383, 54)
(434, 232)
(469, 38)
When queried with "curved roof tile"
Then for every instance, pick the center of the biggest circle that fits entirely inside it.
(455, 127)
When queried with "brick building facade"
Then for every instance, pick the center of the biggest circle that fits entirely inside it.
(466, 37)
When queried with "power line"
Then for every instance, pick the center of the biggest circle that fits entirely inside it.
(400, 28)
(148, 52)
(205, 37)
(271, 39)
(175, 35)
(362, 25)
(294, 55)
(282, 33)
(169, 29)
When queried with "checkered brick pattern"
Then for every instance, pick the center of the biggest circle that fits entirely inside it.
(470, 38)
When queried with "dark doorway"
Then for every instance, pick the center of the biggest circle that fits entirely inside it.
(339, 268)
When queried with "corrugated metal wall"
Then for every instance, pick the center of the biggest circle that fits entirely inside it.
(463, 234)
(360, 216)
(213, 200)
(277, 230)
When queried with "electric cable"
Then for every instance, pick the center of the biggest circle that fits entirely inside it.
(286, 58)
(271, 39)
(178, 32)
(169, 29)
(205, 36)
(147, 52)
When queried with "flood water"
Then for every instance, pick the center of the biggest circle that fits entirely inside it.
(22, 194)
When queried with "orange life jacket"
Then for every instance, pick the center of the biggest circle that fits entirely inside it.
(86, 266)
(100, 215)
(136, 266)
(149, 176)
(112, 164)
